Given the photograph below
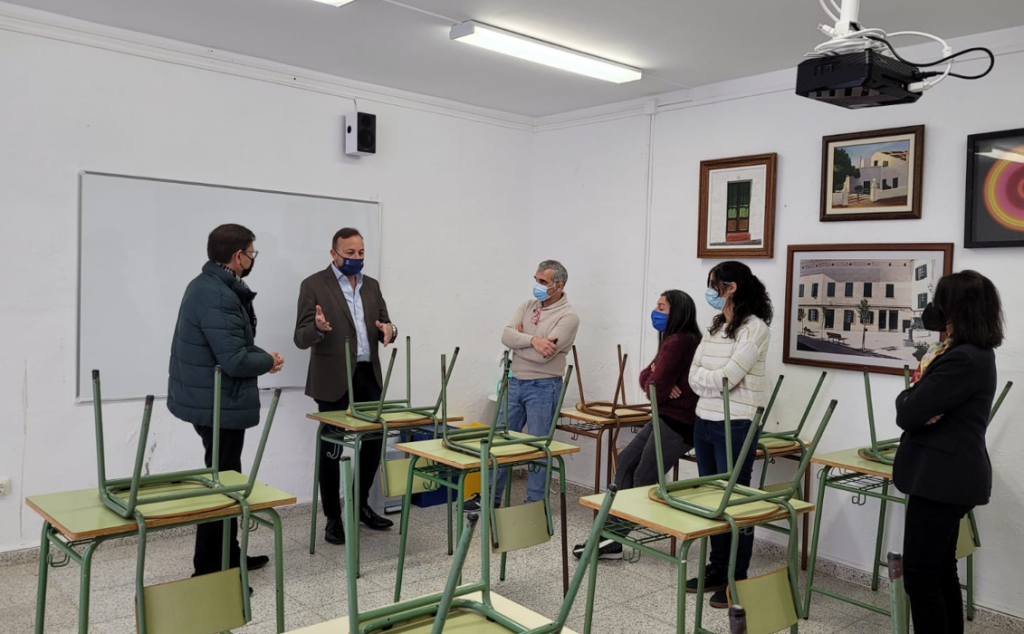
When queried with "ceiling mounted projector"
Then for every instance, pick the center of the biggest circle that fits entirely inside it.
(860, 68)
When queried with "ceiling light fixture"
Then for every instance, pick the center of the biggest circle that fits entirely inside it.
(532, 50)
(334, 3)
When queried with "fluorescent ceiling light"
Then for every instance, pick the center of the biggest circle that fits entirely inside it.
(532, 50)
(334, 3)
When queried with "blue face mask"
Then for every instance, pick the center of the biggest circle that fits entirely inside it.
(716, 302)
(540, 293)
(351, 267)
(659, 321)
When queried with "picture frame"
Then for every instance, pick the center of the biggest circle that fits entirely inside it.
(994, 210)
(874, 175)
(857, 306)
(736, 212)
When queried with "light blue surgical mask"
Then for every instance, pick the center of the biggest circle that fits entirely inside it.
(540, 293)
(714, 300)
(659, 321)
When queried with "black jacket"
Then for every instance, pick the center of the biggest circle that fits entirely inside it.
(948, 461)
(216, 325)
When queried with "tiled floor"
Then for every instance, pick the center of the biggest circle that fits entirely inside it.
(631, 598)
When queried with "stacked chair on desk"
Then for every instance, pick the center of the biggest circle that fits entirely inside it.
(393, 472)
(783, 441)
(514, 526)
(219, 601)
(771, 601)
(459, 608)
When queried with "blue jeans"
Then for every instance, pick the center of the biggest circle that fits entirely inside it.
(531, 405)
(709, 442)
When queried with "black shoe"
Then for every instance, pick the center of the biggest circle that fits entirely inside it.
(373, 521)
(719, 600)
(250, 592)
(255, 563)
(715, 580)
(334, 533)
(607, 549)
(472, 505)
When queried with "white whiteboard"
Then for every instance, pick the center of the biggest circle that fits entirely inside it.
(141, 241)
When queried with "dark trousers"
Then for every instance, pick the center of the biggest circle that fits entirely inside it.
(638, 462)
(210, 534)
(364, 383)
(929, 565)
(709, 442)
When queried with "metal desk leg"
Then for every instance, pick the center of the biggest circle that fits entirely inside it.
(316, 488)
(83, 589)
(357, 448)
(681, 587)
(597, 465)
(588, 618)
(881, 534)
(675, 477)
(564, 528)
(274, 523)
(698, 617)
(404, 532)
(822, 479)
(44, 571)
(807, 521)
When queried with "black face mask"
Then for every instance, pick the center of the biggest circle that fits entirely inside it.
(252, 263)
(932, 318)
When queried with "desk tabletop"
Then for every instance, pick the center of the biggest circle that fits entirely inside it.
(434, 450)
(82, 515)
(459, 622)
(850, 460)
(628, 416)
(396, 420)
(636, 506)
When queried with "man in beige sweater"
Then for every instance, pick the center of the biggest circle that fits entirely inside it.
(540, 335)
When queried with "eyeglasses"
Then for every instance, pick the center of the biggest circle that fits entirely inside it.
(251, 256)
(536, 316)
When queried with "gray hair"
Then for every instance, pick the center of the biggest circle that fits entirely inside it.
(558, 272)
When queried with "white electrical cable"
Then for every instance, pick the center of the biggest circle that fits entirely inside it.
(869, 39)
(828, 12)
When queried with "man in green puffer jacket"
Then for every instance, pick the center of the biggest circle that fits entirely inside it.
(217, 326)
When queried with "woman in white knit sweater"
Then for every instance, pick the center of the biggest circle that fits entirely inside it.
(734, 348)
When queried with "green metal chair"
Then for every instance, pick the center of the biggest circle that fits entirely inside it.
(393, 472)
(771, 601)
(431, 613)
(783, 440)
(883, 451)
(522, 525)
(213, 598)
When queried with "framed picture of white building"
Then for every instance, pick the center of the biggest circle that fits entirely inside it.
(873, 175)
(856, 306)
(736, 213)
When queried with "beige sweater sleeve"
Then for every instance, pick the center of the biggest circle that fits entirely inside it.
(511, 337)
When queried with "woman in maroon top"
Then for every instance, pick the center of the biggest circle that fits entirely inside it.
(675, 319)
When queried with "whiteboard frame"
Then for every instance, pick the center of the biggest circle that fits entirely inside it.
(79, 397)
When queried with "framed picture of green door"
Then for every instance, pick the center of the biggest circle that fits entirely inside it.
(736, 213)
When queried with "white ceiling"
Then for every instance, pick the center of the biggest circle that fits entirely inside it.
(678, 43)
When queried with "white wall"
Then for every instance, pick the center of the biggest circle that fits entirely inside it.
(453, 263)
(589, 186)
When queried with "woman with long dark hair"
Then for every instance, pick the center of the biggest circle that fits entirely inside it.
(734, 348)
(942, 463)
(675, 319)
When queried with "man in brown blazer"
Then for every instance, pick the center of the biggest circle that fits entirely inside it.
(336, 304)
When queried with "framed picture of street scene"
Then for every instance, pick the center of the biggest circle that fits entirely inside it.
(856, 306)
(873, 175)
(736, 214)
